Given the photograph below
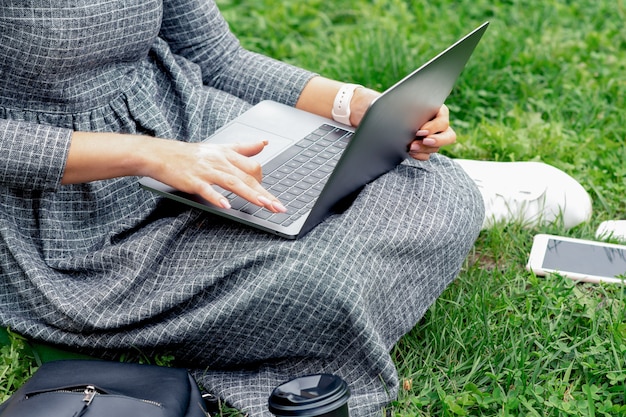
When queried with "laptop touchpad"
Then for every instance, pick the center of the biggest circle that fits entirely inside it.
(240, 133)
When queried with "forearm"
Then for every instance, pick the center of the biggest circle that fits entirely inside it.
(189, 167)
(98, 156)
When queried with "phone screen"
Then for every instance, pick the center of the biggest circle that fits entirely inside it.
(585, 259)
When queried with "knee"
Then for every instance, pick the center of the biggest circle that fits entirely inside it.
(462, 208)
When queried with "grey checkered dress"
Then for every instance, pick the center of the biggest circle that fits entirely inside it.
(107, 267)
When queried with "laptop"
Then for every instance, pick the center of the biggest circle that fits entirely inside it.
(316, 166)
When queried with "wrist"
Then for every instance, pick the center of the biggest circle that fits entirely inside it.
(342, 110)
(361, 101)
(152, 161)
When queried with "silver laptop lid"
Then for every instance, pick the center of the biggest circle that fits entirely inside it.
(389, 126)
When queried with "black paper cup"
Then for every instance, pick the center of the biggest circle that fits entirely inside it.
(320, 395)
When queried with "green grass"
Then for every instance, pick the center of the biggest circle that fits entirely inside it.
(547, 83)
(16, 363)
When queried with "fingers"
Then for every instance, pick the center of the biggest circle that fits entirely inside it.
(249, 148)
(198, 168)
(244, 186)
(439, 123)
(421, 152)
(242, 176)
(433, 135)
(240, 158)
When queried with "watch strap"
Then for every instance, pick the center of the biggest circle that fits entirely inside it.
(341, 105)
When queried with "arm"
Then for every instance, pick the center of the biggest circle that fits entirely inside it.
(94, 156)
(196, 166)
(40, 157)
(196, 30)
(319, 94)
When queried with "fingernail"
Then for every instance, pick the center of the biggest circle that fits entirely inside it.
(274, 204)
(279, 207)
(422, 133)
(429, 142)
(224, 203)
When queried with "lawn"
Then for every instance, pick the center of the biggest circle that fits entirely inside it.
(547, 83)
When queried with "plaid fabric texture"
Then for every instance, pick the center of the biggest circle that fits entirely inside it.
(107, 267)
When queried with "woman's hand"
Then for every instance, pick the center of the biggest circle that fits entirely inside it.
(196, 168)
(189, 167)
(430, 137)
(433, 135)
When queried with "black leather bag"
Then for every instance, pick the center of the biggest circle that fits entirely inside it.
(86, 388)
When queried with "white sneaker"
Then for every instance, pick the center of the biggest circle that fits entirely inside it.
(612, 229)
(532, 193)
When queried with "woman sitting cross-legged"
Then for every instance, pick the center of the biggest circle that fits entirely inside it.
(104, 92)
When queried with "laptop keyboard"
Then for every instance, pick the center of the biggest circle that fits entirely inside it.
(296, 176)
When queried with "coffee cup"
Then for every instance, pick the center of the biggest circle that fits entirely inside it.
(319, 395)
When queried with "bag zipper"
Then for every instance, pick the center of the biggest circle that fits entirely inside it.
(90, 392)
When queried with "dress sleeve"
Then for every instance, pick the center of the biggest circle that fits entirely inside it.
(196, 30)
(32, 156)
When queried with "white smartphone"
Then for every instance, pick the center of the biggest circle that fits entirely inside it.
(579, 259)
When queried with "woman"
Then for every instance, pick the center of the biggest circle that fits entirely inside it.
(91, 97)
